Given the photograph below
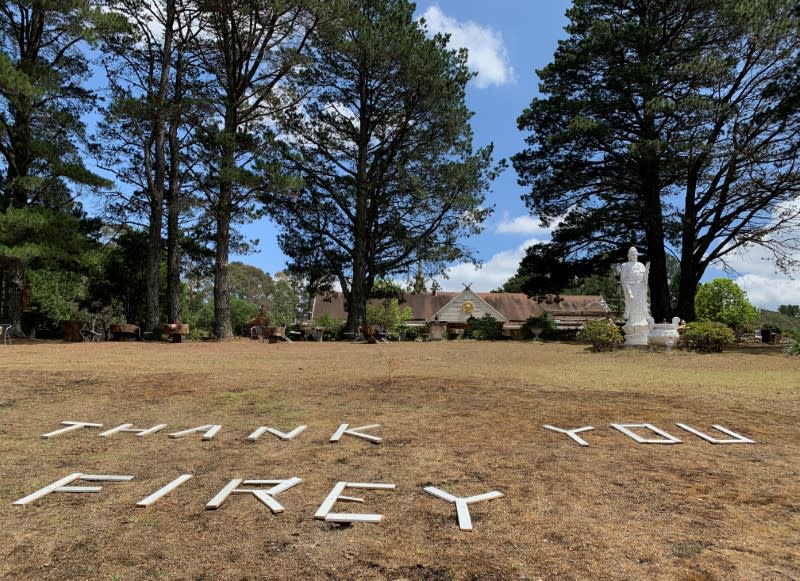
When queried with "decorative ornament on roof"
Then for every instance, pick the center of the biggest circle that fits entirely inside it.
(467, 307)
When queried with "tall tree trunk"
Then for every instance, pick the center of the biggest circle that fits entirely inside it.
(153, 282)
(173, 232)
(687, 289)
(14, 287)
(152, 304)
(358, 296)
(689, 276)
(660, 307)
(653, 224)
(173, 200)
(223, 327)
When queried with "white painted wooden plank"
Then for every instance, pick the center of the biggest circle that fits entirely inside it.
(667, 438)
(106, 477)
(190, 431)
(70, 427)
(78, 489)
(337, 435)
(446, 496)
(273, 504)
(369, 427)
(113, 431)
(350, 499)
(215, 502)
(464, 518)
(481, 497)
(257, 433)
(163, 491)
(280, 485)
(285, 485)
(330, 500)
(571, 433)
(348, 517)
(371, 485)
(287, 436)
(371, 438)
(48, 489)
(737, 438)
(212, 432)
(148, 431)
(743, 439)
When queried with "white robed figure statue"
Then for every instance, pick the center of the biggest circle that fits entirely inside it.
(633, 276)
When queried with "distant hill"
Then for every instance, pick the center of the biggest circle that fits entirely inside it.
(776, 319)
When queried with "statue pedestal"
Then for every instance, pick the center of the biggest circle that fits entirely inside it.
(636, 334)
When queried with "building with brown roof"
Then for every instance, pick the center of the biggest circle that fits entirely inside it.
(453, 309)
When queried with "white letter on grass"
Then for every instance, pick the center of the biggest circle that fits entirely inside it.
(264, 495)
(210, 431)
(275, 432)
(462, 509)
(345, 430)
(736, 438)
(71, 426)
(62, 485)
(130, 428)
(163, 491)
(665, 437)
(324, 511)
(571, 433)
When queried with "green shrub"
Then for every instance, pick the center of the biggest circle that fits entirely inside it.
(723, 301)
(793, 348)
(708, 337)
(409, 332)
(485, 328)
(544, 322)
(603, 335)
(332, 329)
(388, 314)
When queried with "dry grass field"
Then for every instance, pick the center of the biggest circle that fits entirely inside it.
(465, 417)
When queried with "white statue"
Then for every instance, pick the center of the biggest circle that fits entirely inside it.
(633, 277)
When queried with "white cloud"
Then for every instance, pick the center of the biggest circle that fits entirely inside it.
(765, 286)
(753, 260)
(491, 275)
(487, 54)
(526, 224)
(770, 292)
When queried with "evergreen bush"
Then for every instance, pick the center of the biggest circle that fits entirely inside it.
(793, 348)
(603, 335)
(708, 337)
(485, 328)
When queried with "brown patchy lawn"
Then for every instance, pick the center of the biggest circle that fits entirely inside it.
(465, 417)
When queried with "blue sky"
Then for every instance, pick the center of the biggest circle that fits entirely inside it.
(507, 41)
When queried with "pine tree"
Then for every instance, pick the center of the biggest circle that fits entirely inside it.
(655, 128)
(381, 155)
(43, 68)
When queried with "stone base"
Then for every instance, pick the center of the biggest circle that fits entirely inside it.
(636, 335)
